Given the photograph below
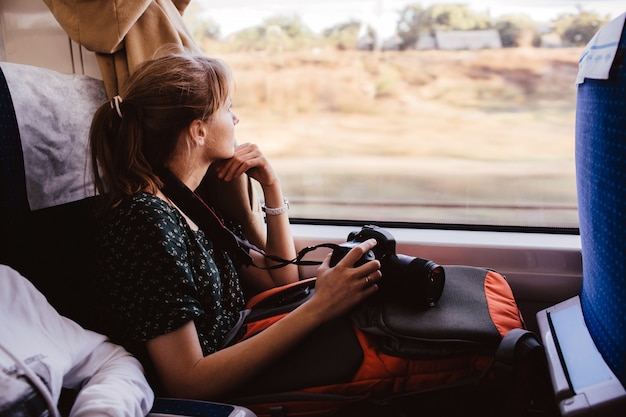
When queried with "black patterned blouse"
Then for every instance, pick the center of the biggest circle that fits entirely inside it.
(156, 274)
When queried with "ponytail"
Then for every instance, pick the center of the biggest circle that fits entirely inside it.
(116, 145)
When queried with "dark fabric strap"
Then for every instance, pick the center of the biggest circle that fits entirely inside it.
(517, 345)
(13, 197)
(207, 219)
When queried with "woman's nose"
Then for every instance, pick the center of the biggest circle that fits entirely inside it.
(235, 118)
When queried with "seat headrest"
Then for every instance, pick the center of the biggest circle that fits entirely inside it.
(54, 113)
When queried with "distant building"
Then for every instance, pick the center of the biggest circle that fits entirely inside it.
(426, 41)
(391, 44)
(468, 39)
(551, 40)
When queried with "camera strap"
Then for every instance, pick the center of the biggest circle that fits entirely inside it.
(211, 224)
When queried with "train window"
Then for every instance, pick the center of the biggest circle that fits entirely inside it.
(413, 112)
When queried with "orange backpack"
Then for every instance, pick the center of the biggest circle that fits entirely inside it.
(389, 358)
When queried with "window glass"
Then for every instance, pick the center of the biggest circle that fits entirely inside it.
(391, 110)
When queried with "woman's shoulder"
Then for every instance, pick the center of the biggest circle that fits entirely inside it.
(143, 208)
(143, 202)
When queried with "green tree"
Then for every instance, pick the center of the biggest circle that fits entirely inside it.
(201, 27)
(578, 29)
(457, 17)
(415, 21)
(517, 30)
(411, 25)
(249, 39)
(277, 32)
(343, 35)
(291, 26)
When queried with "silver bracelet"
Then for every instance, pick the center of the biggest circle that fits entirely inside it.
(271, 211)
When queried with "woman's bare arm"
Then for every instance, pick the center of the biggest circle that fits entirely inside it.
(184, 371)
(249, 159)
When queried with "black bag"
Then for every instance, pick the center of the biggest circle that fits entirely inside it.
(476, 310)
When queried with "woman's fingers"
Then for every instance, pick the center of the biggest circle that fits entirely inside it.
(248, 158)
(371, 278)
(233, 167)
(358, 252)
(345, 283)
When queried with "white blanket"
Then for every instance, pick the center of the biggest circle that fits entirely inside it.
(54, 113)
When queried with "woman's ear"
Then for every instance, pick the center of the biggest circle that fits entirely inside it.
(198, 132)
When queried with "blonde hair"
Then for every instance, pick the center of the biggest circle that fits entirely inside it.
(133, 137)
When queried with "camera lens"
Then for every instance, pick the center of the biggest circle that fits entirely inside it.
(435, 282)
(414, 280)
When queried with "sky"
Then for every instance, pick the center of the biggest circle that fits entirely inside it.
(233, 15)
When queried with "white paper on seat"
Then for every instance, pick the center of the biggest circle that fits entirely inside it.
(597, 57)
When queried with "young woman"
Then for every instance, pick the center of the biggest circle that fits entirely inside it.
(171, 291)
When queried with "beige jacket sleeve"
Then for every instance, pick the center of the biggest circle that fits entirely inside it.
(123, 33)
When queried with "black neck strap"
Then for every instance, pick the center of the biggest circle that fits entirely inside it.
(205, 217)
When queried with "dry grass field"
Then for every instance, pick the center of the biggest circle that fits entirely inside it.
(465, 136)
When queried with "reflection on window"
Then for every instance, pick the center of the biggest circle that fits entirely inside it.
(398, 111)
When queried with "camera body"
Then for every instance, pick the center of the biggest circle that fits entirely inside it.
(412, 280)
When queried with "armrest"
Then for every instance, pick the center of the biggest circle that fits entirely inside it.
(166, 407)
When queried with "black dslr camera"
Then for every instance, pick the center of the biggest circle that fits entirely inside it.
(405, 278)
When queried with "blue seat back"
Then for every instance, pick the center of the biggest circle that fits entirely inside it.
(601, 182)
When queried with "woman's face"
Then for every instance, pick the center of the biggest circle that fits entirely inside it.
(221, 133)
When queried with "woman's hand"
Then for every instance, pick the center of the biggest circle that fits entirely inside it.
(340, 288)
(249, 159)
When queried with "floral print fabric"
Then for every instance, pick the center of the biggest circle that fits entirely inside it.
(157, 274)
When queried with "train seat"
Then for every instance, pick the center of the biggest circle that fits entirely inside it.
(585, 337)
(47, 223)
(45, 189)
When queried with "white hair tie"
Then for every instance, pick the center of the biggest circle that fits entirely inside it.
(115, 104)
